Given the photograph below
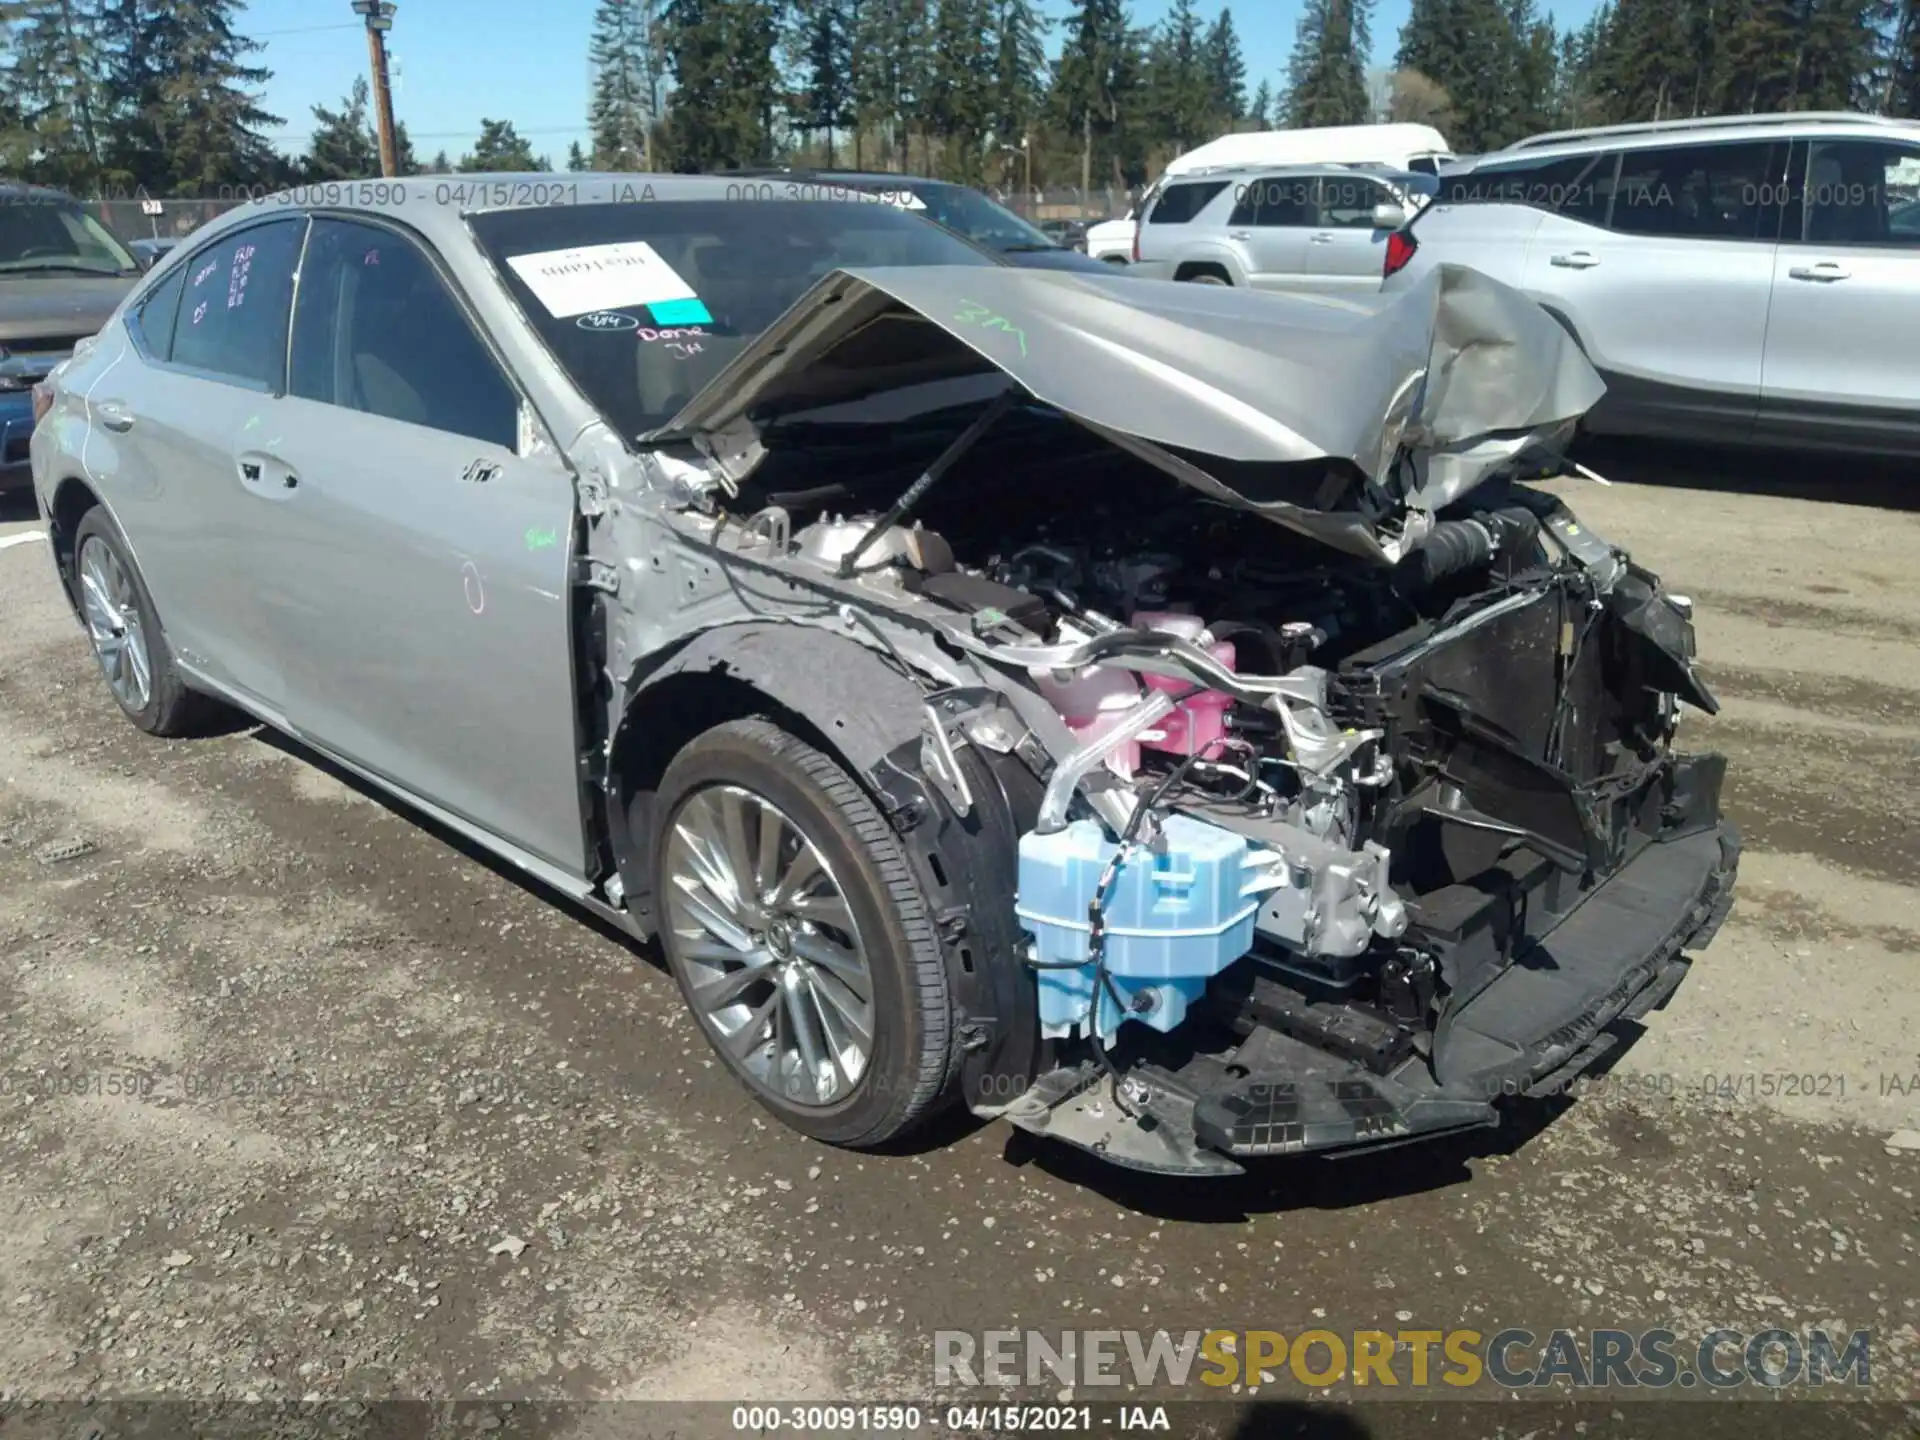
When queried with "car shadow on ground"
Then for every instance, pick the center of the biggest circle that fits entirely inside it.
(18, 506)
(1836, 479)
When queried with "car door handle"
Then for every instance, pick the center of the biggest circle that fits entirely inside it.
(1322, 238)
(115, 417)
(1240, 235)
(1826, 270)
(1575, 260)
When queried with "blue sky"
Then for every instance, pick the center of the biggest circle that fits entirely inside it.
(461, 60)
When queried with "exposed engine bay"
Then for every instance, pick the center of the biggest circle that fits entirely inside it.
(1321, 841)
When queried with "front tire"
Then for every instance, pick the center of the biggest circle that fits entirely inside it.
(794, 925)
(128, 641)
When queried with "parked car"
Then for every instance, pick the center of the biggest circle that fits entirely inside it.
(61, 275)
(1750, 279)
(148, 249)
(1146, 713)
(1405, 148)
(1069, 234)
(963, 210)
(1298, 228)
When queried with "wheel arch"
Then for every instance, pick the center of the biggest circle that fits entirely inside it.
(72, 498)
(847, 701)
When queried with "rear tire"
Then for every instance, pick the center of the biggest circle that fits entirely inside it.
(128, 641)
(788, 949)
(1206, 277)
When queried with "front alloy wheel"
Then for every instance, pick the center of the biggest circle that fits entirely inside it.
(773, 956)
(797, 929)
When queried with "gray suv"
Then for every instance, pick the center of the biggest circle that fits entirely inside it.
(1746, 278)
(1299, 227)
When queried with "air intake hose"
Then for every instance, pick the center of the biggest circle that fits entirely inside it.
(1451, 547)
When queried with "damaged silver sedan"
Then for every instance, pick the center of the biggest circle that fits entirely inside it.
(1158, 715)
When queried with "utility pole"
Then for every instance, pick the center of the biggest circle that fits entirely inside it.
(379, 18)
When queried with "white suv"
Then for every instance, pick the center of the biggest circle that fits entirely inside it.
(1744, 278)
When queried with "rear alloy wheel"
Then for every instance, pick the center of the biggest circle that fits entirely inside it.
(127, 639)
(797, 933)
(1207, 277)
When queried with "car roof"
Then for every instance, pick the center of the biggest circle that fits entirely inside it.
(17, 190)
(437, 206)
(848, 177)
(1700, 129)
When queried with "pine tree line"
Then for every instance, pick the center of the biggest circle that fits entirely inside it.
(100, 96)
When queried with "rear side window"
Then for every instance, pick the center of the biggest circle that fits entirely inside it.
(1181, 203)
(232, 319)
(1576, 186)
(153, 319)
(1728, 191)
(378, 331)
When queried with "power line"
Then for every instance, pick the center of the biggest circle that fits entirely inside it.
(302, 30)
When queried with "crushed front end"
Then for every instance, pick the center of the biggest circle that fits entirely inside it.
(1286, 777)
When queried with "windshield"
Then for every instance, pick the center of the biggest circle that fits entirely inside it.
(46, 233)
(975, 216)
(644, 303)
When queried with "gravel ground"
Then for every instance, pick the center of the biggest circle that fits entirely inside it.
(413, 1129)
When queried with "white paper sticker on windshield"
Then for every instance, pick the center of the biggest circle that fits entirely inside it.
(600, 277)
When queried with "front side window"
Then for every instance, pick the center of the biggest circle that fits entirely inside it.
(1725, 191)
(1180, 203)
(1576, 186)
(378, 331)
(233, 312)
(1347, 202)
(1862, 192)
(41, 234)
(1276, 201)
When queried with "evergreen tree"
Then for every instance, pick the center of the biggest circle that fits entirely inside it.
(1226, 69)
(52, 83)
(1646, 66)
(1532, 63)
(823, 49)
(441, 164)
(1260, 108)
(1097, 73)
(891, 39)
(1181, 94)
(1327, 78)
(721, 56)
(1019, 40)
(1468, 49)
(1900, 93)
(181, 99)
(620, 108)
(960, 85)
(577, 158)
(500, 149)
(345, 145)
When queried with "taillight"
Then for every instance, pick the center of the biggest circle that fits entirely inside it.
(1400, 248)
(42, 401)
(1136, 242)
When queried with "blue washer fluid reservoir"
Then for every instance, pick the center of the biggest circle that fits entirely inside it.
(1176, 915)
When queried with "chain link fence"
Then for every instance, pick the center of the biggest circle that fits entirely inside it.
(1067, 202)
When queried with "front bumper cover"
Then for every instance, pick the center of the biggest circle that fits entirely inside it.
(1551, 1015)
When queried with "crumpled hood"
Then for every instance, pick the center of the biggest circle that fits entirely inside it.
(1424, 392)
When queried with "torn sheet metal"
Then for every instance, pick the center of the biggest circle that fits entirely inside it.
(1244, 394)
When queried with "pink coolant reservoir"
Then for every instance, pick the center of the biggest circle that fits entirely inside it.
(1094, 703)
(1198, 723)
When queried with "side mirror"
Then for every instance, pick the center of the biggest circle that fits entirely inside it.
(1389, 217)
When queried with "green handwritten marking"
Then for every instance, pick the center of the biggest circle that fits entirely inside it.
(538, 539)
(972, 312)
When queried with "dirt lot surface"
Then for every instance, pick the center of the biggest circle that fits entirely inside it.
(412, 1129)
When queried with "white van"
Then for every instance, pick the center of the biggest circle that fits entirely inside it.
(1418, 148)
